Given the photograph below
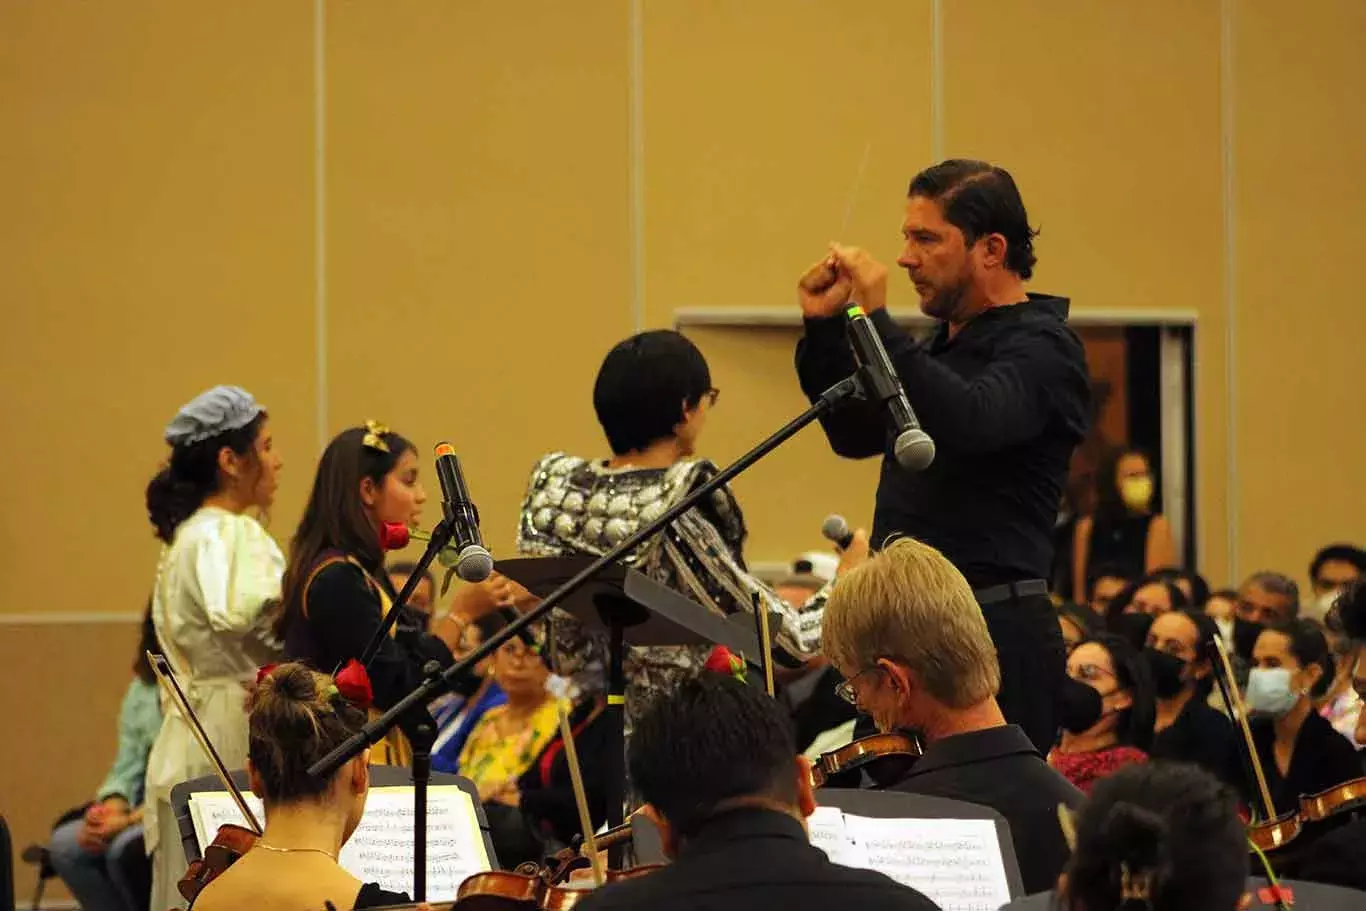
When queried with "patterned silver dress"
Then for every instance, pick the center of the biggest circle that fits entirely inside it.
(579, 506)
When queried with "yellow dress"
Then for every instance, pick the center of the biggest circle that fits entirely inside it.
(494, 762)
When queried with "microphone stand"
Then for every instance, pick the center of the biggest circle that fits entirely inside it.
(421, 731)
(434, 685)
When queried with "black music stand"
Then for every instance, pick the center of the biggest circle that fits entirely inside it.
(631, 609)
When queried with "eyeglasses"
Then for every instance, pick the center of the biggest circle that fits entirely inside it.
(711, 395)
(845, 688)
(1089, 672)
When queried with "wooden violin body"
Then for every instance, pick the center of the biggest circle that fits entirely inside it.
(1347, 797)
(228, 845)
(893, 754)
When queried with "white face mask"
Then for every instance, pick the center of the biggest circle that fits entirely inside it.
(1319, 607)
(1269, 691)
(1225, 630)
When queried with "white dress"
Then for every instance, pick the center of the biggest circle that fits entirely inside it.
(214, 584)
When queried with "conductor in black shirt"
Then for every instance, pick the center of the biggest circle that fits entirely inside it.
(1001, 386)
(716, 764)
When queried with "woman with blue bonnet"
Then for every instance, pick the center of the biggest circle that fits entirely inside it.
(216, 596)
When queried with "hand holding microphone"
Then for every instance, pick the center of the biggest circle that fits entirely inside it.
(853, 545)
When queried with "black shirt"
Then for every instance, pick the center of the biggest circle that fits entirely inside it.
(1120, 544)
(1204, 736)
(999, 768)
(1321, 759)
(1006, 401)
(755, 859)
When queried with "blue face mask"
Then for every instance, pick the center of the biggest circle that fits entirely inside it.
(1269, 692)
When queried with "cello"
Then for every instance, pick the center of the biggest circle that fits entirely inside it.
(231, 841)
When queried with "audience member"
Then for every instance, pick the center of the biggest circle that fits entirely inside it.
(1187, 728)
(1106, 584)
(1162, 837)
(1268, 598)
(1124, 532)
(100, 853)
(297, 717)
(507, 739)
(1121, 728)
(421, 602)
(1222, 608)
(217, 586)
(1330, 572)
(716, 764)
(1300, 752)
(1077, 624)
(1191, 583)
(1340, 705)
(1151, 595)
(909, 638)
(456, 715)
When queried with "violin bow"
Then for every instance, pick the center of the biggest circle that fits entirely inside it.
(166, 677)
(765, 646)
(1236, 706)
(559, 688)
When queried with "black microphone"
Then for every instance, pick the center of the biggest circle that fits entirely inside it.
(836, 529)
(914, 449)
(473, 562)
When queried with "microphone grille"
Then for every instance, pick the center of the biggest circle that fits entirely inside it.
(475, 564)
(835, 528)
(914, 450)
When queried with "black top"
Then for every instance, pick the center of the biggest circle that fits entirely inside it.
(1310, 895)
(372, 896)
(1204, 736)
(343, 613)
(1006, 401)
(547, 789)
(755, 859)
(1120, 543)
(999, 768)
(1321, 759)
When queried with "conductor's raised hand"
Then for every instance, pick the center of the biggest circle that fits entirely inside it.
(822, 290)
(867, 276)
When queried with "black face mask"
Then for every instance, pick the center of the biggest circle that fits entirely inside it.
(1079, 706)
(1245, 634)
(1166, 670)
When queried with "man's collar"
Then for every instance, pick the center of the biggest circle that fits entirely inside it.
(974, 746)
(743, 823)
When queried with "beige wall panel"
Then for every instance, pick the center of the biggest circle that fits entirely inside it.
(155, 170)
(757, 119)
(1108, 116)
(478, 229)
(1300, 145)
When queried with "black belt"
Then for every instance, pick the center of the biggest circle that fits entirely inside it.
(997, 593)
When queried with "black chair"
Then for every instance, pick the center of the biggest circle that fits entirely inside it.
(6, 868)
(38, 856)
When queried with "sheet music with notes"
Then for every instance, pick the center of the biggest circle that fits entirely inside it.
(381, 849)
(956, 863)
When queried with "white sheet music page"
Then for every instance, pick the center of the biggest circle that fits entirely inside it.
(956, 863)
(826, 828)
(381, 849)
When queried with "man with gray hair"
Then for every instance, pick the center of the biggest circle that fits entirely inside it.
(908, 637)
(1268, 598)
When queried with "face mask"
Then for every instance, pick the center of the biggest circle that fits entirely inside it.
(1225, 629)
(1080, 707)
(1318, 608)
(1167, 672)
(1245, 634)
(1269, 692)
(1136, 493)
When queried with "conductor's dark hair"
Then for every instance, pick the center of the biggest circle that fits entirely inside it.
(708, 741)
(1175, 825)
(191, 475)
(1309, 646)
(644, 385)
(1346, 553)
(980, 199)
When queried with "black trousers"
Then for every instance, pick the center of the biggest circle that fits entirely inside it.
(1033, 661)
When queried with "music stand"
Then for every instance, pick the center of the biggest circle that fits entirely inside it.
(631, 609)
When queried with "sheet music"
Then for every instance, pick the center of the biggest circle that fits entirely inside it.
(956, 863)
(381, 849)
(827, 831)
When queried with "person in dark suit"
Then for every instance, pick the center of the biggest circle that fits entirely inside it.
(716, 763)
(911, 642)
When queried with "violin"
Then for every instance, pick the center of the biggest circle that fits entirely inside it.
(231, 841)
(1276, 833)
(893, 754)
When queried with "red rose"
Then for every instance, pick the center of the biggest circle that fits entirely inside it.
(264, 672)
(393, 536)
(723, 661)
(354, 684)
